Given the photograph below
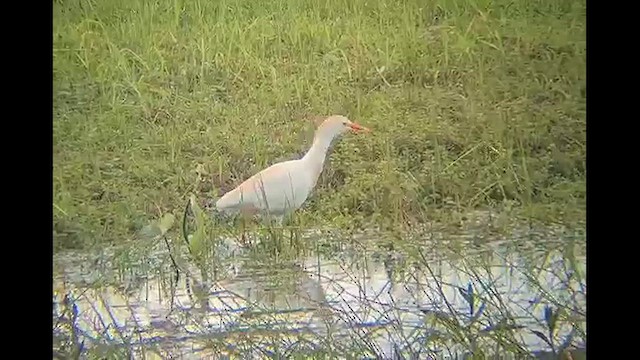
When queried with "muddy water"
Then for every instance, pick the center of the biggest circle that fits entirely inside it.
(408, 300)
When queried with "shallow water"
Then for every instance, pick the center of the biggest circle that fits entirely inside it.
(362, 295)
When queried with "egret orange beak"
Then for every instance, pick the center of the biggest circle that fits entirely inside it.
(355, 127)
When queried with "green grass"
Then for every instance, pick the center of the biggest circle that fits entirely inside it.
(473, 104)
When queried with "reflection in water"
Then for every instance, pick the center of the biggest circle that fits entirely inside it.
(411, 301)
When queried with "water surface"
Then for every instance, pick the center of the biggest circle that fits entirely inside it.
(384, 301)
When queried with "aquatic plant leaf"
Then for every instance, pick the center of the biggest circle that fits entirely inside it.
(463, 292)
(185, 233)
(551, 318)
(196, 242)
(501, 325)
(471, 299)
(480, 311)
(542, 336)
(467, 294)
(150, 231)
(440, 316)
(158, 228)
(568, 340)
(548, 312)
(166, 223)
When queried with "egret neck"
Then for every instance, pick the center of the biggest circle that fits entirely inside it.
(317, 154)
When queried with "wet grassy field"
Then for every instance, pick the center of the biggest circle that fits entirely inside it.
(457, 226)
(477, 104)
